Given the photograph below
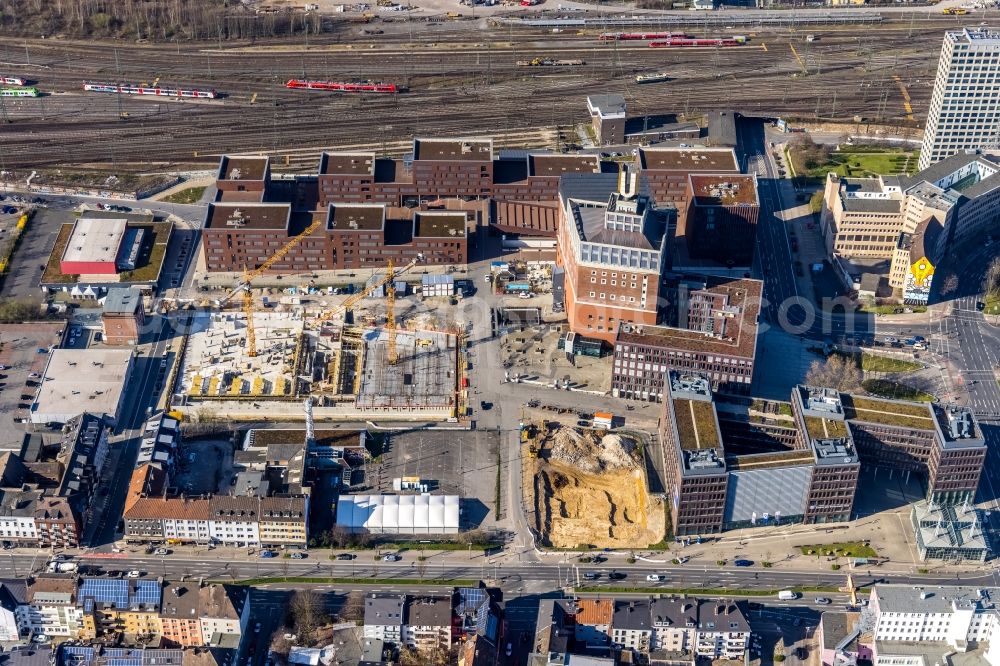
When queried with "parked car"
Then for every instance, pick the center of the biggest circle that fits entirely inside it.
(135, 573)
(266, 554)
(162, 551)
(345, 556)
(298, 556)
(743, 563)
(256, 628)
(391, 557)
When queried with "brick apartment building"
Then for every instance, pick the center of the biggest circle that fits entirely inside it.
(238, 236)
(611, 244)
(715, 335)
(243, 178)
(726, 473)
(436, 169)
(446, 172)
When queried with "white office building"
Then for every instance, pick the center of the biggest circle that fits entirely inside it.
(965, 105)
(914, 625)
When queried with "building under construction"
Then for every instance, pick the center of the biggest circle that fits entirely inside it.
(345, 369)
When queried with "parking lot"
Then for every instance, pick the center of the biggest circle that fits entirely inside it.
(32, 254)
(450, 463)
(23, 363)
(204, 466)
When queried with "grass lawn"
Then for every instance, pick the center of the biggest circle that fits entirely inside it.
(890, 309)
(189, 196)
(845, 549)
(886, 388)
(876, 363)
(859, 162)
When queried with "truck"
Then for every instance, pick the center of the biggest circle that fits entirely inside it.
(62, 567)
(788, 595)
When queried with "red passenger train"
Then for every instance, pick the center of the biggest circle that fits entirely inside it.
(685, 41)
(337, 86)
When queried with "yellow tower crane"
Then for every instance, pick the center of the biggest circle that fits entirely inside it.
(387, 279)
(250, 275)
(390, 313)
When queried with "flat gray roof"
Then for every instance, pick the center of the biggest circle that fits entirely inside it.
(95, 240)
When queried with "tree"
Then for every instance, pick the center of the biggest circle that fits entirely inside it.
(307, 614)
(950, 285)
(15, 311)
(838, 372)
(280, 645)
(991, 283)
(353, 608)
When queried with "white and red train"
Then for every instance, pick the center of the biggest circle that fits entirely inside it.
(129, 89)
(627, 36)
(339, 86)
(12, 80)
(687, 41)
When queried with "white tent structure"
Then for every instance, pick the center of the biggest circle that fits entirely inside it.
(399, 514)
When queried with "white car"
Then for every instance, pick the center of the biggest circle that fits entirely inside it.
(654, 578)
(524, 295)
(391, 557)
(135, 573)
(162, 551)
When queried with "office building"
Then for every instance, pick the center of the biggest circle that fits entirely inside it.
(720, 220)
(724, 472)
(965, 107)
(607, 117)
(666, 171)
(611, 245)
(912, 220)
(715, 334)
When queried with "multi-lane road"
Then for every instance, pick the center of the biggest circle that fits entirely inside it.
(550, 573)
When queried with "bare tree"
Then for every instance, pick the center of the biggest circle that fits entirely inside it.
(308, 614)
(280, 645)
(353, 608)
(950, 285)
(991, 283)
(837, 372)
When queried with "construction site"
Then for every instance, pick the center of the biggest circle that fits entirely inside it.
(588, 488)
(347, 370)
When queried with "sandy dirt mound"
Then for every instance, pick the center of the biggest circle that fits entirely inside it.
(592, 452)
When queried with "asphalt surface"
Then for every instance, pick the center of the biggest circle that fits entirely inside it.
(510, 575)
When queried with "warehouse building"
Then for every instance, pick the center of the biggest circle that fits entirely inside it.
(399, 514)
(82, 380)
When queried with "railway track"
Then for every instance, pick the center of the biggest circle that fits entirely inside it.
(475, 89)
